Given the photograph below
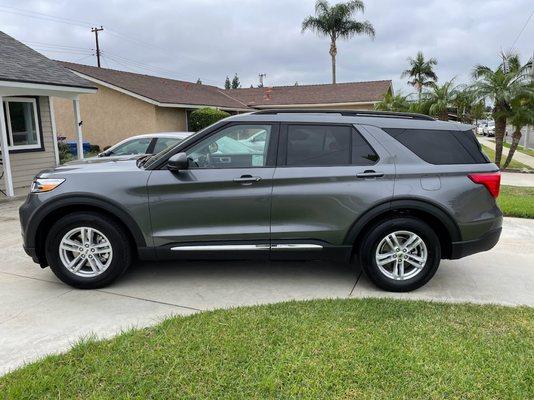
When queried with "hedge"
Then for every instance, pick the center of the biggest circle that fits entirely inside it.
(204, 117)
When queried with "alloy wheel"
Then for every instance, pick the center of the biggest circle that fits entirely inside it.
(401, 255)
(85, 252)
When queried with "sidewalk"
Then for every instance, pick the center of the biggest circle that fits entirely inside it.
(518, 156)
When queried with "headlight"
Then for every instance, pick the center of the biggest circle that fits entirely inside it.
(41, 185)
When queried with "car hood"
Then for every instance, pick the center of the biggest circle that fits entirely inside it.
(98, 166)
(92, 160)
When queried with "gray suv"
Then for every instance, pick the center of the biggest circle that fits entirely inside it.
(394, 193)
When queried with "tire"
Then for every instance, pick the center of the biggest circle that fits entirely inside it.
(106, 255)
(403, 228)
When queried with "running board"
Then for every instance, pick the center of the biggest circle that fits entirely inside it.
(248, 247)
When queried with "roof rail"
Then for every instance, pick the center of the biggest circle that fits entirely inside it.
(347, 113)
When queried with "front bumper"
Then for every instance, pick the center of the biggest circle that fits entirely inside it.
(468, 247)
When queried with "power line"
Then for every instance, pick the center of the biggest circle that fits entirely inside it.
(522, 29)
(60, 46)
(86, 24)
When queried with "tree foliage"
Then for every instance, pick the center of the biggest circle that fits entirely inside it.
(235, 82)
(391, 102)
(204, 117)
(337, 22)
(502, 86)
(421, 72)
(227, 84)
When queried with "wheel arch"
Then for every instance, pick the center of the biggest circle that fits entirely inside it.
(434, 215)
(44, 218)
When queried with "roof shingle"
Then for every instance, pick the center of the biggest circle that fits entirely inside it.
(162, 90)
(19, 63)
(171, 91)
(350, 92)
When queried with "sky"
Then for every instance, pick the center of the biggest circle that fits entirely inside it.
(210, 39)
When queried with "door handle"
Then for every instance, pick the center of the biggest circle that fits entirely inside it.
(370, 174)
(247, 179)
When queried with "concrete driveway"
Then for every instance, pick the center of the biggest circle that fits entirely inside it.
(40, 315)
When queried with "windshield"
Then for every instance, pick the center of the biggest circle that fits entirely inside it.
(134, 146)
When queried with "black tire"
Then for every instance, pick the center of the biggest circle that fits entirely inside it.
(118, 238)
(368, 247)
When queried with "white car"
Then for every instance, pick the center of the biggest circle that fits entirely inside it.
(151, 143)
(489, 129)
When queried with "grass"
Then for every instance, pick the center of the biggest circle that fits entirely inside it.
(516, 201)
(529, 152)
(513, 164)
(329, 349)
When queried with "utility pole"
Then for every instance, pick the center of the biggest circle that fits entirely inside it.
(261, 79)
(96, 30)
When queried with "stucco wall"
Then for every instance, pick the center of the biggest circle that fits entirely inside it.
(110, 116)
(25, 165)
(170, 119)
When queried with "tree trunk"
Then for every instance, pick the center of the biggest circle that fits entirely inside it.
(500, 130)
(515, 141)
(333, 53)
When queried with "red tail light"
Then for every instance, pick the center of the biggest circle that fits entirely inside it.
(491, 180)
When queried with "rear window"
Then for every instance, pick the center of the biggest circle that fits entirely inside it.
(322, 145)
(440, 146)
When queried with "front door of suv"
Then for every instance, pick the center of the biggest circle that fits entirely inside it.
(326, 177)
(222, 202)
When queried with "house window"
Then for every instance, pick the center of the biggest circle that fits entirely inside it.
(22, 123)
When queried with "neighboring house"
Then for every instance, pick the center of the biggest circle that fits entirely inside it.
(128, 104)
(350, 95)
(28, 80)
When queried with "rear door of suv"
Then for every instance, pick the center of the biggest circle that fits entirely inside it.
(327, 175)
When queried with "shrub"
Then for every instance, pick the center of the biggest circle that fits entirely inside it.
(204, 117)
(64, 152)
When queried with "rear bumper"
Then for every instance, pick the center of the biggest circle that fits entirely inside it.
(484, 243)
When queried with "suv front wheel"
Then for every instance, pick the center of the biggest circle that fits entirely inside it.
(400, 254)
(87, 250)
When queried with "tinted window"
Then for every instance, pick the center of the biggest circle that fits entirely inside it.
(309, 145)
(318, 145)
(439, 146)
(362, 153)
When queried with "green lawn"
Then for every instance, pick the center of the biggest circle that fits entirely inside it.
(330, 349)
(516, 201)
(521, 149)
(513, 164)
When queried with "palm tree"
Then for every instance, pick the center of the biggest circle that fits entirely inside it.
(468, 106)
(507, 82)
(391, 102)
(522, 114)
(421, 71)
(336, 22)
(441, 98)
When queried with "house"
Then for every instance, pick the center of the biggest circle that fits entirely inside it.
(128, 104)
(28, 82)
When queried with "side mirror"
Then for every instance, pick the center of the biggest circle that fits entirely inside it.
(178, 162)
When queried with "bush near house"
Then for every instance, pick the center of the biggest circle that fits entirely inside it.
(204, 117)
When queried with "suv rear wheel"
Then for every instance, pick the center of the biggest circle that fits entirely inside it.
(400, 254)
(87, 250)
